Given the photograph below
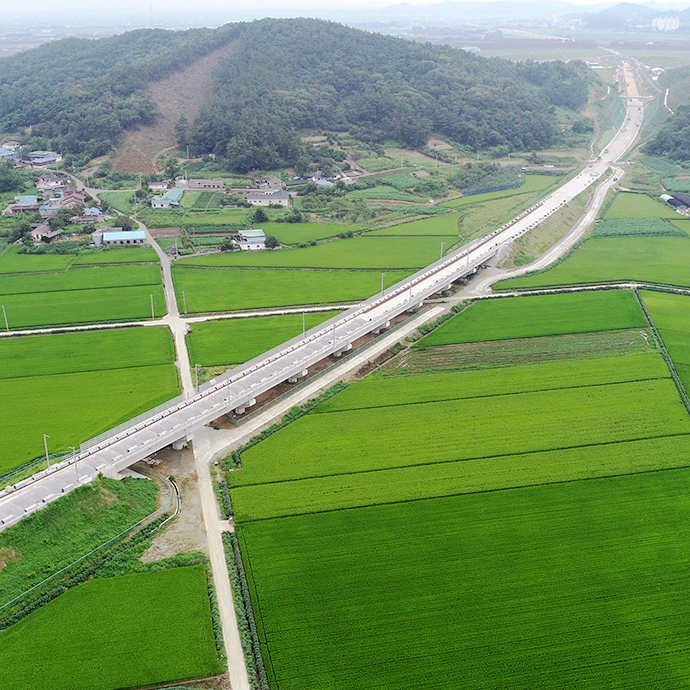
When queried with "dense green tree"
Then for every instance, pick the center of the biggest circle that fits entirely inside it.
(260, 216)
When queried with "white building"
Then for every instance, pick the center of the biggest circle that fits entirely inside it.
(269, 197)
(666, 23)
(251, 240)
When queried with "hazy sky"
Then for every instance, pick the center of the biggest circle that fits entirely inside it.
(230, 10)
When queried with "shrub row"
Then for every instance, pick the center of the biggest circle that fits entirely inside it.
(249, 635)
(224, 498)
(215, 617)
(426, 328)
(235, 458)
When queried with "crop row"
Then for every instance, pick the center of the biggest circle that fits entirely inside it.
(427, 433)
(264, 501)
(378, 392)
(617, 227)
(539, 315)
(567, 585)
(81, 279)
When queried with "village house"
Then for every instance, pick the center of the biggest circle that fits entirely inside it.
(42, 159)
(24, 204)
(269, 197)
(251, 240)
(269, 183)
(117, 237)
(7, 155)
(171, 199)
(10, 145)
(51, 181)
(44, 233)
(201, 185)
(158, 186)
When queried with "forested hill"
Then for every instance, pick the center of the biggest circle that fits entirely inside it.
(81, 94)
(673, 139)
(282, 77)
(292, 74)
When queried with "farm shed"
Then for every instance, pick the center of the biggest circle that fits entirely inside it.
(118, 238)
(170, 199)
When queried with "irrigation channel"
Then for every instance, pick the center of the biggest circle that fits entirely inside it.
(175, 421)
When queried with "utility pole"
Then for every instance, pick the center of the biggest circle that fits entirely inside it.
(45, 444)
(4, 313)
(74, 455)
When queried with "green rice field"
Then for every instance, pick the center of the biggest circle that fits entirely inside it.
(533, 183)
(363, 252)
(83, 306)
(631, 205)
(117, 255)
(298, 233)
(539, 315)
(617, 227)
(77, 385)
(427, 433)
(89, 635)
(663, 260)
(211, 290)
(233, 341)
(671, 315)
(571, 585)
(13, 262)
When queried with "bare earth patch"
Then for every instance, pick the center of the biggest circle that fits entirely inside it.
(182, 93)
(9, 554)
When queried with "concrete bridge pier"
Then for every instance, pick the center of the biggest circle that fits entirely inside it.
(181, 442)
(381, 328)
(243, 408)
(339, 353)
(293, 379)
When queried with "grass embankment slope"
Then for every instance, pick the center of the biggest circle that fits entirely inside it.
(77, 385)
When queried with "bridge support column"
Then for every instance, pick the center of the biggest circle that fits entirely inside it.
(181, 442)
(293, 379)
(340, 352)
(376, 331)
(243, 408)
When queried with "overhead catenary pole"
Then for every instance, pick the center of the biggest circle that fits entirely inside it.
(74, 455)
(184, 301)
(383, 274)
(304, 329)
(153, 313)
(196, 375)
(45, 444)
(440, 257)
(4, 313)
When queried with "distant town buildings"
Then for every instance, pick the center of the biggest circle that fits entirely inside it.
(666, 23)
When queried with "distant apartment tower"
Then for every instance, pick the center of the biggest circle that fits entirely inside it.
(666, 23)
